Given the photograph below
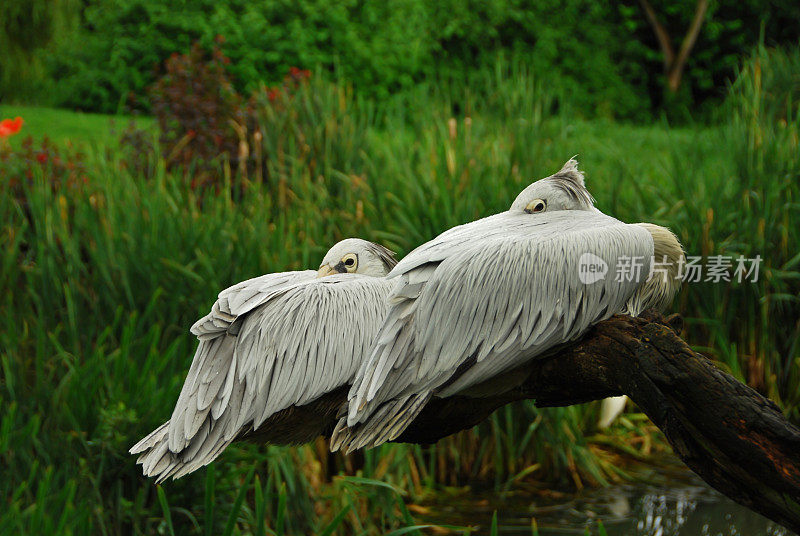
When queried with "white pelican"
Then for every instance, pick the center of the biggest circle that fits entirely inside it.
(485, 297)
(273, 352)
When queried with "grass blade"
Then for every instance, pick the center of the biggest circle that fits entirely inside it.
(162, 499)
(237, 504)
(335, 522)
(209, 501)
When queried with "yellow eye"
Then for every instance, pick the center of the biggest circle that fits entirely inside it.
(350, 261)
(537, 205)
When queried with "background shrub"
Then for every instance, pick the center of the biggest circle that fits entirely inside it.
(603, 55)
(199, 114)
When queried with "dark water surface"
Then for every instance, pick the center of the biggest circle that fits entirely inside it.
(686, 507)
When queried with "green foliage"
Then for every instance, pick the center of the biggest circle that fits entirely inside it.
(64, 172)
(27, 27)
(198, 113)
(613, 53)
(124, 43)
(603, 57)
(765, 114)
(100, 283)
(729, 32)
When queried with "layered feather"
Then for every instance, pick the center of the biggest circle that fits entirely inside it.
(269, 344)
(483, 298)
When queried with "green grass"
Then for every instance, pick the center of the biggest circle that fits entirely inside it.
(99, 281)
(63, 126)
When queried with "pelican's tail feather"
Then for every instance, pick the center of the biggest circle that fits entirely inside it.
(157, 460)
(384, 424)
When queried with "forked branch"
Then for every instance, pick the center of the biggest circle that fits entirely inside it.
(674, 65)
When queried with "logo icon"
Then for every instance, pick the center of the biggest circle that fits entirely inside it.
(591, 268)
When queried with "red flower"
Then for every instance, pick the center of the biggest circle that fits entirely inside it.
(41, 158)
(273, 93)
(10, 126)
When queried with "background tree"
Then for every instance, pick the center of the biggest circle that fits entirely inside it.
(607, 58)
(26, 28)
(674, 63)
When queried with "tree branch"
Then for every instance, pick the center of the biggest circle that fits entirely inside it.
(664, 41)
(676, 68)
(674, 65)
(731, 436)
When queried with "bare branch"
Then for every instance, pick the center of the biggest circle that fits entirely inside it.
(676, 69)
(674, 65)
(662, 35)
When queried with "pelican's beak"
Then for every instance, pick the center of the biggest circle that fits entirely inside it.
(327, 269)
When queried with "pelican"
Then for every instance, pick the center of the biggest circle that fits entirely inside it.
(274, 352)
(484, 298)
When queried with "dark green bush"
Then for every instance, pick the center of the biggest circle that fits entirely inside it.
(123, 42)
(604, 57)
(382, 48)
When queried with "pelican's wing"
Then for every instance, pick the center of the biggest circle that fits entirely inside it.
(303, 340)
(242, 298)
(483, 298)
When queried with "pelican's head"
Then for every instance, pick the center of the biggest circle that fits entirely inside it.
(356, 256)
(563, 191)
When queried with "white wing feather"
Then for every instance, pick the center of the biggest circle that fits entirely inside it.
(302, 341)
(242, 298)
(485, 297)
(287, 342)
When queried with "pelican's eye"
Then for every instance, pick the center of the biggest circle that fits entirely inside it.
(537, 205)
(350, 261)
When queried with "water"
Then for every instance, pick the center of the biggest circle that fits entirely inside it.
(688, 507)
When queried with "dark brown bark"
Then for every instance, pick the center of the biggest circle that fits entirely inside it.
(731, 436)
(674, 65)
(662, 36)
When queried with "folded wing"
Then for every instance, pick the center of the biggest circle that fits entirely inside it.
(242, 298)
(483, 298)
(264, 348)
